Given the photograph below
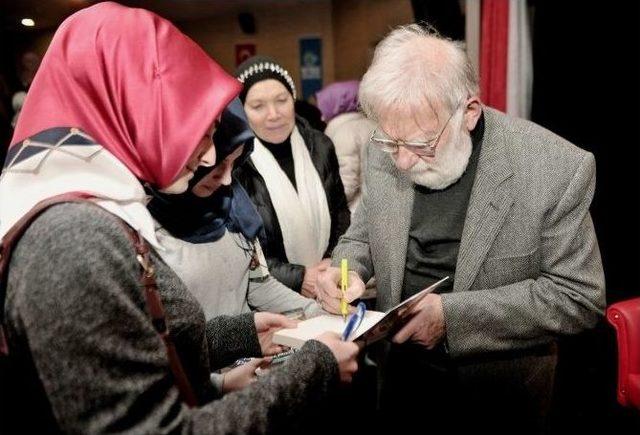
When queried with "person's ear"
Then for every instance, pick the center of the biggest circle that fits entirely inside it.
(472, 112)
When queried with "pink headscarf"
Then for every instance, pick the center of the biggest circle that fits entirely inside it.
(133, 82)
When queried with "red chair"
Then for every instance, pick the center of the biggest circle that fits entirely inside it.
(625, 318)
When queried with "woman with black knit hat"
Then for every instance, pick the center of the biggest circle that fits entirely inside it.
(292, 177)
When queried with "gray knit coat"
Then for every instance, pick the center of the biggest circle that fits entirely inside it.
(80, 332)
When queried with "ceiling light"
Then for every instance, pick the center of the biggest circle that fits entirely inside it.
(28, 22)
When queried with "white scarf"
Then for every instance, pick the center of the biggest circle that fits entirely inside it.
(303, 215)
(74, 168)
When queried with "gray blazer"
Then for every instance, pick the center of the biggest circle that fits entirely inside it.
(529, 267)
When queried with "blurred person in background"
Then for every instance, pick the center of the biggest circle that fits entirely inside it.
(349, 130)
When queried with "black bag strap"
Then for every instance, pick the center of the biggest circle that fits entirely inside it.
(147, 279)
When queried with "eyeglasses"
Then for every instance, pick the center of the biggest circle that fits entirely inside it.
(426, 148)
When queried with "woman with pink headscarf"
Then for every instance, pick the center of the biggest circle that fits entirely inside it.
(123, 100)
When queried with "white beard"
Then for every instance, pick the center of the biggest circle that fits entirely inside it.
(450, 162)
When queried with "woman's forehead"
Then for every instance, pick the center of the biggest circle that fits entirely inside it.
(266, 89)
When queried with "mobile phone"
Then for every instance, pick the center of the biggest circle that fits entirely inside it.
(297, 314)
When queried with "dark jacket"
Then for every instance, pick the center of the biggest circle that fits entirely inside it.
(325, 161)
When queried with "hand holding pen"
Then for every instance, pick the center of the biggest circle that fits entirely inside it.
(330, 293)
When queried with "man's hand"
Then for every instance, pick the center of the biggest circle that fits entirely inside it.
(329, 293)
(266, 325)
(426, 327)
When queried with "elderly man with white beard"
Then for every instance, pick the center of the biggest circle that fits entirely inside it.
(498, 204)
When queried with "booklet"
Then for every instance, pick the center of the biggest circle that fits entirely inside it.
(375, 326)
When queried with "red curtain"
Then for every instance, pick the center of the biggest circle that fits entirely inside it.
(493, 53)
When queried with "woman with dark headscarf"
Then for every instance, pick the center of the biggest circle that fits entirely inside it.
(292, 177)
(214, 225)
(111, 108)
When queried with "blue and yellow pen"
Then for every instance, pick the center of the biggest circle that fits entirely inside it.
(344, 283)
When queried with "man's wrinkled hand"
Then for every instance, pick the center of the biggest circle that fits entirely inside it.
(329, 294)
(427, 326)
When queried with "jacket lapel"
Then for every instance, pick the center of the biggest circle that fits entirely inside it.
(400, 218)
(490, 201)
(393, 198)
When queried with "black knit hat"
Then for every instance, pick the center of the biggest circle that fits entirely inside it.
(259, 68)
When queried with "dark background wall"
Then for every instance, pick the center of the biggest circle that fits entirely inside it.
(587, 89)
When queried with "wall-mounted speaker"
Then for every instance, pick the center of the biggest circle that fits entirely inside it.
(247, 23)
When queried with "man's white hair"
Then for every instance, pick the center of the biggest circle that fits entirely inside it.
(414, 67)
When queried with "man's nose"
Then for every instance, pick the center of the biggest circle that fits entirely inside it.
(405, 159)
